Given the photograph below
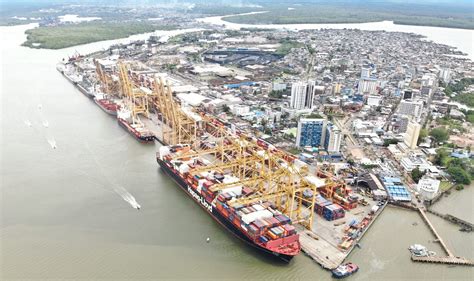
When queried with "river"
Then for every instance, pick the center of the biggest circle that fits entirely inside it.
(61, 217)
(462, 39)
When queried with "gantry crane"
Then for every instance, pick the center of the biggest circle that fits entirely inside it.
(264, 170)
(136, 98)
(178, 126)
(271, 174)
(108, 84)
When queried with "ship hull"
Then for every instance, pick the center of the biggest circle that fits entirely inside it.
(83, 90)
(218, 217)
(136, 135)
(105, 109)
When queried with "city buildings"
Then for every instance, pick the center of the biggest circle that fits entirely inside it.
(412, 134)
(368, 85)
(317, 132)
(445, 75)
(310, 132)
(410, 108)
(333, 138)
(373, 100)
(302, 95)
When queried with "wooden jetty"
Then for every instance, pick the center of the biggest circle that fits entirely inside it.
(444, 260)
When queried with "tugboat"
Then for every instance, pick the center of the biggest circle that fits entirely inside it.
(344, 270)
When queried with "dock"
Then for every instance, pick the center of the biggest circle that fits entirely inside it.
(450, 258)
(444, 260)
(433, 230)
(320, 250)
(453, 219)
(323, 251)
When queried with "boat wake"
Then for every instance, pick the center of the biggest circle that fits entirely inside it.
(127, 197)
(52, 142)
(28, 123)
(120, 190)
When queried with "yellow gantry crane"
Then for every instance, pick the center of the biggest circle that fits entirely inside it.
(271, 174)
(178, 127)
(108, 84)
(137, 99)
(265, 171)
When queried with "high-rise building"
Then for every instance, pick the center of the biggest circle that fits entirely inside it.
(365, 72)
(412, 134)
(412, 108)
(311, 132)
(302, 95)
(336, 88)
(368, 85)
(407, 94)
(333, 138)
(445, 75)
(401, 123)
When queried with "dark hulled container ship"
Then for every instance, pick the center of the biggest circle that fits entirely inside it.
(137, 130)
(259, 225)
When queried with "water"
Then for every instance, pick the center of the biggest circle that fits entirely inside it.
(460, 38)
(63, 215)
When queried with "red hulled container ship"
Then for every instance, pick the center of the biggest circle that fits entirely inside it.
(107, 105)
(259, 225)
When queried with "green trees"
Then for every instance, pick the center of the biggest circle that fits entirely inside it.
(388, 142)
(226, 108)
(276, 94)
(458, 88)
(459, 174)
(423, 134)
(441, 157)
(439, 134)
(416, 174)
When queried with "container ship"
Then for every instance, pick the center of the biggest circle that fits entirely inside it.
(107, 105)
(137, 130)
(259, 225)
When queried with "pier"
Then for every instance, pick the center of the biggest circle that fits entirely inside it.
(438, 237)
(320, 250)
(464, 224)
(324, 252)
(450, 258)
(444, 260)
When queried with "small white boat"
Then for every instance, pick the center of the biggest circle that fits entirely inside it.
(45, 123)
(420, 251)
